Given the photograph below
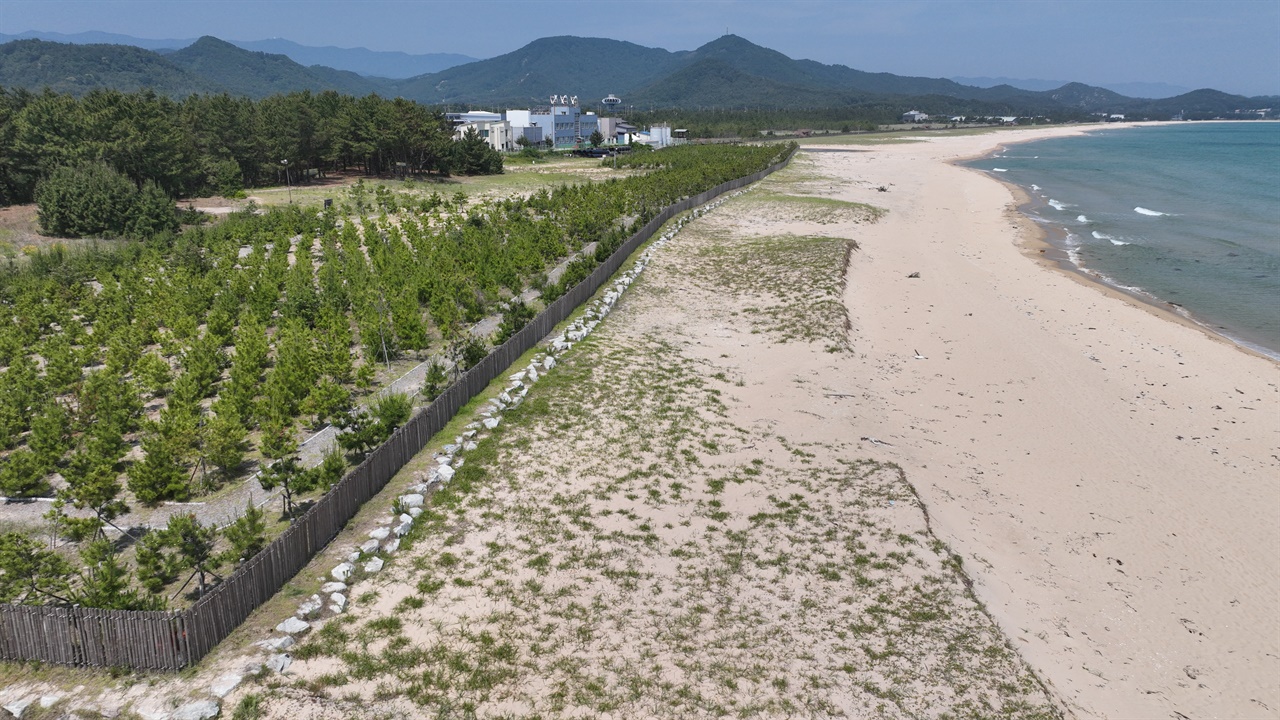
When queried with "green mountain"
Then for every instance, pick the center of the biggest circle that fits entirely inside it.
(77, 69)
(728, 72)
(587, 67)
(258, 74)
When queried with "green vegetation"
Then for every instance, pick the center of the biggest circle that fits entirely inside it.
(208, 143)
(217, 347)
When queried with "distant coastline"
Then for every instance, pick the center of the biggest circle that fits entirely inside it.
(1048, 244)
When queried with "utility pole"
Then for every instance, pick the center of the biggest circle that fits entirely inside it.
(287, 184)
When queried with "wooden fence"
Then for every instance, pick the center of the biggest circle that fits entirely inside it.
(173, 640)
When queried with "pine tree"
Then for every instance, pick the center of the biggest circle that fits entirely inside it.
(224, 440)
(93, 483)
(247, 535)
(157, 564)
(22, 475)
(29, 573)
(290, 477)
(160, 475)
(193, 544)
(104, 583)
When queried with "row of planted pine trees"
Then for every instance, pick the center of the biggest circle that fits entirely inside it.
(168, 369)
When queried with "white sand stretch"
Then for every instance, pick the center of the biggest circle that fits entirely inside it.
(1109, 475)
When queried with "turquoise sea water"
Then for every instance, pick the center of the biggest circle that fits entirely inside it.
(1186, 214)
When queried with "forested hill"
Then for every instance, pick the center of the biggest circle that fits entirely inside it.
(729, 72)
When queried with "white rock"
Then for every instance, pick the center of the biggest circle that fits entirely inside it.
(151, 709)
(392, 545)
(279, 644)
(293, 626)
(369, 546)
(19, 706)
(48, 701)
(492, 423)
(471, 445)
(343, 571)
(505, 398)
(533, 374)
(310, 607)
(411, 501)
(415, 512)
(403, 528)
(470, 433)
(518, 377)
(380, 534)
(444, 460)
(445, 473)
(198, 710)
(460, 462)
(405, 517)
(450, 449)
(373, 565)
(354, 556)
(225, 684)
(279, 663)
(339, 600)
(333, 587)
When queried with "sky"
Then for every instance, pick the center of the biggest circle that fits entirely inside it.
(1230, 45)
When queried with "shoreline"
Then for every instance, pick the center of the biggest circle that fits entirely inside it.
(1038, 246)
(1106, 474)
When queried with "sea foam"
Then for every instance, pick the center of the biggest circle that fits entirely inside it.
(998, 170)
(1152, 213)
(1103, 236)
(1082, 219)
(1057, 205)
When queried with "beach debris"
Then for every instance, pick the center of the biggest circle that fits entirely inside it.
(918, 356)
(881, 188)
(839, 395)
(874, 441)
(915, 274)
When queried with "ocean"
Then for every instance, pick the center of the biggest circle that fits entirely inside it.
(1185, 214)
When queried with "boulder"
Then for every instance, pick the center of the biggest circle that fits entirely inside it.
(279, 663)
(403, 528)
(48, 701)
(293, 626)
(412, 500)
(380, 534)
(333, 587)
(491, 423)
(19, 706)
(279, 644)
(310, 607)
(392, 545)
(198, 710)
(369, 546)
(373, 565)
(415, 512)
(445, 473)
(343, 571)
(339, 601)
(225, 684)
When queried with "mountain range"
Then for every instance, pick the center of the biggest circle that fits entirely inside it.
(374, 63)
(727, 73)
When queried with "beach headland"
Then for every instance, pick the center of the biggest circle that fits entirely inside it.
(1106, 468)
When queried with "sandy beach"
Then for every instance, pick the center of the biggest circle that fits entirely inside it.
(839, 451)
(1108, 473)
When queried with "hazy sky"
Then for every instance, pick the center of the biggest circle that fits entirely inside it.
(1231, 45)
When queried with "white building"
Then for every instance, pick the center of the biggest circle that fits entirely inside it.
(473, 116)
(914, 116)
(500, 135)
